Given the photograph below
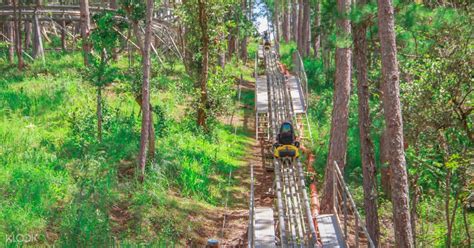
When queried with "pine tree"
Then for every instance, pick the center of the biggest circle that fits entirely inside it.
(145, 131)
(393, 120)
(340, 112)
(366, 145)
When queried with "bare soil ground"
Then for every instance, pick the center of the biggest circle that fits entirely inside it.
(234, 233)
(227, 224)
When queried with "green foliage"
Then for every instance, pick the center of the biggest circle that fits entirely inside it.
(220, 93)
(217, 28)
(436, 94)
(59, 182)
(200, 163)
(104, 37)
(252, 49)
(215, 23)
(85, 220)
(121, 134)
(106, 33)
(135, 9)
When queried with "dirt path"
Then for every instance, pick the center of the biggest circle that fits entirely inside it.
(235, 231)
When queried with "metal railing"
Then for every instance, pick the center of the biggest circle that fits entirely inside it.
(295, 222)
(301, 75)
(294, 219)
(346, 209)
(303, 79)
(251, 230)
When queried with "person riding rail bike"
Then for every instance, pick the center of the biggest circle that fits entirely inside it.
(286, 144)
(266, 40)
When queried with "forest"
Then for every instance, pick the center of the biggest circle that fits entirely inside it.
(159, 123)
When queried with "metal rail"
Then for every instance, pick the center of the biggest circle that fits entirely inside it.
(295, 222)
(303, 79)
(296, 227)
(301, 75)
(345, 206)
(251, 230)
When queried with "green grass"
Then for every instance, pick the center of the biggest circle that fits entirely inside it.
(58, 181)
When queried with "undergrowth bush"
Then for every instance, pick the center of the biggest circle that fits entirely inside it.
(58, 181)
(85, 219)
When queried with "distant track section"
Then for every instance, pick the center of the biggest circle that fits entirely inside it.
(280, 98)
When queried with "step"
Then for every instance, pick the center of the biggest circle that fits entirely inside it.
(264, 228)
(330, 232)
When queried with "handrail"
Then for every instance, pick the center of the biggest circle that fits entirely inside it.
(251, 231)
(301, 73)
(347, 194)
(296, 224)
(255, 72)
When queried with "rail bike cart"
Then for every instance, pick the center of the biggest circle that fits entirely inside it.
(266, 41)
(286, 147)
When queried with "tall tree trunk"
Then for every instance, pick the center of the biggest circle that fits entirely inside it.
(340, 112)
(243, 42)
(276, 21)
(76, 30)
(151, 137)
(326, 53)
(286, 22)
(443, 144)
(63, 35)
(299, 39)
(231, 45)
(99, 100)
(27, 34)
(17, 23)
(203, 19)
(11, 37)
(11, 41)
(145, 131)
(366, 145)
(221, 59)
(393, 120)
(99, 114)
(317, 30)
(294, 20)
(414, 202)
(250, 12)
(466, 226)
(446, 209)
(113, 4)
(306, 30)
(38, 51)
(85, 28)
(385, 172)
